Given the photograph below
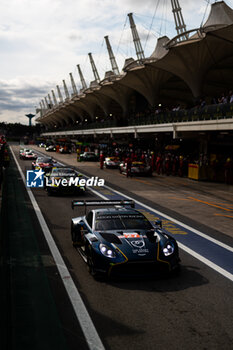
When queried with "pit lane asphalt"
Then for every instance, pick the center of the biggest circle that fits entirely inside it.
(191, 311)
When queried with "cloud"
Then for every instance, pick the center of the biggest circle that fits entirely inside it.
(18, 97)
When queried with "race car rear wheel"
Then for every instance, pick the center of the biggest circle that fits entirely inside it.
(90, 265)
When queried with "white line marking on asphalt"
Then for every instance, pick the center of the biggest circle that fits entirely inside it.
(182, 246)
(93, 340)
(207, 262)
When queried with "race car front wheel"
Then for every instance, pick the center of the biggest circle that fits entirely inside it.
(91, 266)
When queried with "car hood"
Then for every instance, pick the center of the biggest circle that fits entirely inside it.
(133, 244)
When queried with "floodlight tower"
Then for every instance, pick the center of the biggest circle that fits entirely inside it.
(84, 85)
(30, 116)
(66, 90)
(54, 97)
(59, 94)
(75, 91)
(179, 20)
(94, 69)
(136, 39)
(111, 57)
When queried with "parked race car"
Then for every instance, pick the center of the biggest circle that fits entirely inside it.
(51, 148)
(27, 154)
(44, 163)
(42, 145)
(89, 156)
(137, 169)
(112, 162)
(63, 180)
(120, 241)
(65, 150)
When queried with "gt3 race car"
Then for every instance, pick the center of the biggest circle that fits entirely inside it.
(23, 150)
(51, 148)
(65, 150)
(137, 168)
(88, 156)
(63, 180)
(27, 155)
(120, 241)
(44, 163)
(112, 162)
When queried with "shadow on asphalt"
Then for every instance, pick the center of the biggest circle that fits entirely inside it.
(188, 277)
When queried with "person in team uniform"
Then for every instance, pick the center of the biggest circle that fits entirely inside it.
(101, 160)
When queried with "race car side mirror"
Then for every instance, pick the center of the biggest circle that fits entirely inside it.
(158, 223)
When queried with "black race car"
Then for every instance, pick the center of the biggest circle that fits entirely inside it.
(65, 150)
(137, 169)
(89, 157)
(51, 148)
(120, 241)
(64, 180)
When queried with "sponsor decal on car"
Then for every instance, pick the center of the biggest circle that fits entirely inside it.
(138, 244)
(131, 235)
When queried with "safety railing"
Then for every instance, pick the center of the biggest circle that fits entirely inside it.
(208, 112)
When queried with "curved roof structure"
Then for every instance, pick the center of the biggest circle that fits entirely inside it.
(176, 71)
(220, 14)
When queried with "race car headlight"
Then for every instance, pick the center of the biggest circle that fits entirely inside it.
(106, 251)
(168, 249)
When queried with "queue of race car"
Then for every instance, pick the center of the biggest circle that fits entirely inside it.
(113, 238)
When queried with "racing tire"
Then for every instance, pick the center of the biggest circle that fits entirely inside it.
(74, 237)
(91, 267)
(72, 234)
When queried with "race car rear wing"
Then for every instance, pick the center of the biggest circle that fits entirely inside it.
(85, 203)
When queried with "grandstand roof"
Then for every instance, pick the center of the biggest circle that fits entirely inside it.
(177, 70)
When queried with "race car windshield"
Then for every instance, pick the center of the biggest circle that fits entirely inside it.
(122, 222)
(45, 160)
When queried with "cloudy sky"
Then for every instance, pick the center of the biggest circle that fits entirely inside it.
(42, 41)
